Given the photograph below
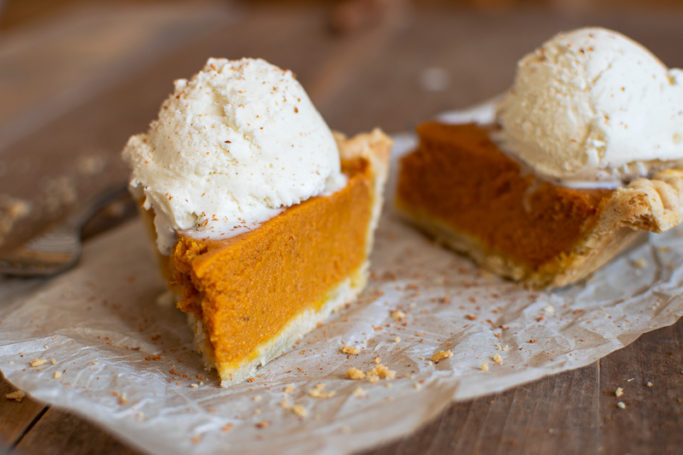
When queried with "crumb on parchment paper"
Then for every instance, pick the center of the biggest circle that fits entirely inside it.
(355, 373)
(317, 392)
(441, 355)
(350, 350)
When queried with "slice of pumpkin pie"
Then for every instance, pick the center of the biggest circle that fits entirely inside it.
(583, 154)
(263, 218)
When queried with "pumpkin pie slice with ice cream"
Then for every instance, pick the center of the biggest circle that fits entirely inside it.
(580, 157)
(262, 217)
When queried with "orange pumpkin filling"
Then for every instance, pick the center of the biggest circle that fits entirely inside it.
(247, 288)
(459, 178)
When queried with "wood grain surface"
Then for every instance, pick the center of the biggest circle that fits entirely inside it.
(74, 87)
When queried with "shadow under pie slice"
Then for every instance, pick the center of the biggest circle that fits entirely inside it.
(459, 187)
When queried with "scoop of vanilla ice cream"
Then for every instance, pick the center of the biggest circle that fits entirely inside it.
(232, 146)
(593, 105)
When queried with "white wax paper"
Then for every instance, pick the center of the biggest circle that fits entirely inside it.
(126, 359)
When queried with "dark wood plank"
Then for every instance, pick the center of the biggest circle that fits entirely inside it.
(58, 433)
(15, 416)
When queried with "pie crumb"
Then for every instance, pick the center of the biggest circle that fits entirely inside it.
(17, 396)
(256, 398)
(470, 317)
(53, 361)
(350, 350)
(397, 339)
(649, 384)
(498, 359)
(227, 427)
(358, 392)
(398, 315)
(38, 362)
(619, 392)
(381, 372)
(639, 263)
(377, 360)
(57, 375)
(299, 410)
(317, 392)
(355, 373)
(288, 389)
(484, 366)
(621, 405)
(439, 356)
(262, 424)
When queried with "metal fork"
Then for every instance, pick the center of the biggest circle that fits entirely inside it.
(59, 248)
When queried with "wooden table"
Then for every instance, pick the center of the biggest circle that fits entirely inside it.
(76, 85)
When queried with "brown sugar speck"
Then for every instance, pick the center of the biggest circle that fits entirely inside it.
(262, 424)
(470, 317)
(439, 356)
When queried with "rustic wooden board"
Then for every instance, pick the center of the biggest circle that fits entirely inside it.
(374, 76)
(16, 417)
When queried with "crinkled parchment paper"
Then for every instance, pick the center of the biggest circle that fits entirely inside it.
(126, 358)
